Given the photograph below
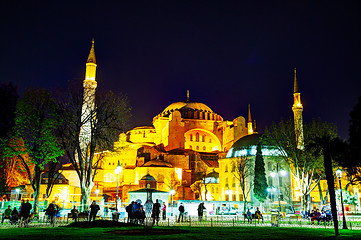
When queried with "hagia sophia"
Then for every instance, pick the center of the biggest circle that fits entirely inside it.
(187, 148)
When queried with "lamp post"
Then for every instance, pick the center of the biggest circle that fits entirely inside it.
(229, 192)
(97, 192)
(172, 192)
(339, 175)
(17, 190)
(117, 170)
(277, 174)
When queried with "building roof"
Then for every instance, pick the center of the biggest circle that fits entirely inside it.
(243, 143)
(157, 163)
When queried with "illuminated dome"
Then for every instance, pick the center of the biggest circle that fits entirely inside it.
(191, 110)
(187, 105)
(247, 146)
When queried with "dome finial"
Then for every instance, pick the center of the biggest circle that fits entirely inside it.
(187, 95)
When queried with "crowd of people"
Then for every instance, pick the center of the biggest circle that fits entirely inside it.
(15, 215)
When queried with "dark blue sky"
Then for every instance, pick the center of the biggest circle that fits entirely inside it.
(227, 53)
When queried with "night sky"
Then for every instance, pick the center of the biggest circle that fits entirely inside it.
(227, 53)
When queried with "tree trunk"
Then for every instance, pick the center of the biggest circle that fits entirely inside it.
(85, 196)
(330, 183)
(305, 202)
(36, 188)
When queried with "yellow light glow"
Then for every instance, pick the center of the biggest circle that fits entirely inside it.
(215, 148)
(178, 171)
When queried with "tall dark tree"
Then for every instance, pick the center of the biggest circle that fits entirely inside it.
(355, 142)
(260, 180)
(34, 141)
(8, 101)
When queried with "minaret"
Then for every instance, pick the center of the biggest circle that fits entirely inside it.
(297, 109)
(187, 95)
(249, 123)
(89, 85)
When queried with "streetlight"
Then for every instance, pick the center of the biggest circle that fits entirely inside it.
(17, 190)
(229, 192)
(97, 192)
(339, 175)
(172, 192)
(117, 170)
(277, 174)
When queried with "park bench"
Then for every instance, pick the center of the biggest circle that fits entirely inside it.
(81, 215)
(253, 217)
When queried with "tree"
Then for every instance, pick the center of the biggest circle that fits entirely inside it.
(105, 120)
(260, 181)
(53, 173)
(8, 101)
(35, 125)
(244, 173)
(331, 149)
(306, 169)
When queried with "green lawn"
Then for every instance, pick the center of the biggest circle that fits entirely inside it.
(203, 233)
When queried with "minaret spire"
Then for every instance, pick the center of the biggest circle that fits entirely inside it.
(89, 87)
(249, 123)
(187, 95)
(91, 57)
(297, 109)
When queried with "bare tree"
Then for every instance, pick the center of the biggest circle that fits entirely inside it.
(244, 172)
(305, 167)
(87, 131)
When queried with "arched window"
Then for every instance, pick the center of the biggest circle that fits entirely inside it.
(197, 137)
(226, 168)
(210, 140)
(203, 138)
(190, 146)
(226, 180)
(191, 137)
(204, 148)
(233, 167)
(109, 177)
(197, 147)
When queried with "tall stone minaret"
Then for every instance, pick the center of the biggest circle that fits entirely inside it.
(297, 109)
(249, 123)
(89, 85)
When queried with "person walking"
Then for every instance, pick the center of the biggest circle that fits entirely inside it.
(129, 210)
(94, 208)
(25, 213)
(200, 211)
(51, 212)
(164, 211)
(156, 211)
(181, 212)
(74, 214)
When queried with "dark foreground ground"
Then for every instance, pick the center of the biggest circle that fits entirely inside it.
(102, 230)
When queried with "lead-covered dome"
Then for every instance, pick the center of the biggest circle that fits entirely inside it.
(189, 106)
(191, 110)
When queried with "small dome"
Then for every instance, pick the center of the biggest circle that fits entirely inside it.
(148, 177)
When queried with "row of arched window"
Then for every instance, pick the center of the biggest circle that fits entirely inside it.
(197, 138)
(198, 148)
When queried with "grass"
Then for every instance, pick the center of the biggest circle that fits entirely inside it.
(194, 234)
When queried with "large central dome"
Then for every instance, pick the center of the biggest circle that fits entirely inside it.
(195, 106)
